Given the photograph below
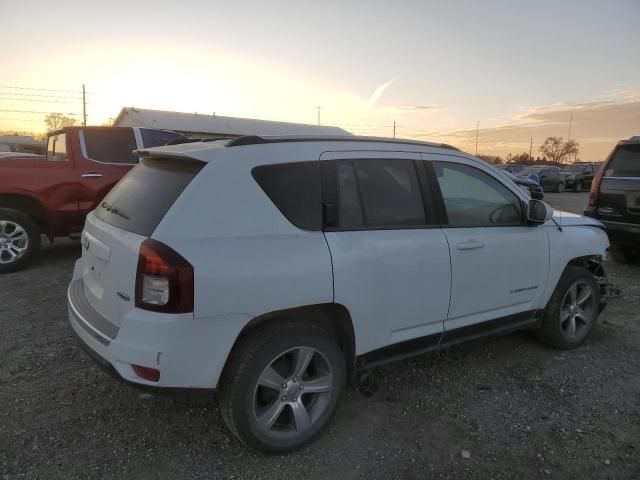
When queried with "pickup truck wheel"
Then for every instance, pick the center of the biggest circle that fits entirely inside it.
(572, 310)
(577, 187)
(560, 187)
(282, 385)
(19, 239)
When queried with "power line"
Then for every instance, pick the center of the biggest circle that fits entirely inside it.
(9, 119)
(38, 95)
(32, 111)
(41, 101)
(40, 89)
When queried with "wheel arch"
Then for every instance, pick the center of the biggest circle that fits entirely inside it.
(333, 317)
(27, 205)
(591, 262)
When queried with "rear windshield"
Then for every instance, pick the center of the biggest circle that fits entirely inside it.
(110, 145)
(625, 162)
(157, 138)
(140, 200)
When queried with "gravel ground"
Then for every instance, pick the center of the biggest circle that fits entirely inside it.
(516, 409)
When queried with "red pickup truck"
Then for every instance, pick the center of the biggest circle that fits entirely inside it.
(51, 195)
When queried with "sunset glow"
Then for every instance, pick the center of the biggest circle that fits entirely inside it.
(366, 67)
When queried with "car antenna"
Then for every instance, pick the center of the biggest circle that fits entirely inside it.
(557, 224)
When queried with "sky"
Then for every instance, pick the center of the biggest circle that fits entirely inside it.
(435, 68)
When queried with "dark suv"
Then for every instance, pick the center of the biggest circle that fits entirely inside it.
(615, 199)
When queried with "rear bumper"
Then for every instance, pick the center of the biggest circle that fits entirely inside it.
(187, 394)
(189, 353)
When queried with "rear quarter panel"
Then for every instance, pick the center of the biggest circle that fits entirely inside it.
(248, 258)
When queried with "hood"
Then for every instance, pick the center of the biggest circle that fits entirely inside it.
(568, 219)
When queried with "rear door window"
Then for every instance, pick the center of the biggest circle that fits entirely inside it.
(143, 196)
(110, 145)
(625, 162)
(295, 190)
(374, 193)
(57, 148)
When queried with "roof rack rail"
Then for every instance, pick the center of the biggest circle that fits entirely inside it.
(257, 139)
(180, 141)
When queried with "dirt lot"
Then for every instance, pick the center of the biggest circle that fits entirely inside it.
(519, 409)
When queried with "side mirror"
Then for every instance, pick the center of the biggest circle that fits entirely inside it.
(539, 212)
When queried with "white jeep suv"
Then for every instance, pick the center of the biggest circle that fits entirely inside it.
(273, 269)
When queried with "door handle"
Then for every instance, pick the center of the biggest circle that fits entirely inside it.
(91, 175)
(470, 245)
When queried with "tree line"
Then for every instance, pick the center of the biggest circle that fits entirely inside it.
(554, 150)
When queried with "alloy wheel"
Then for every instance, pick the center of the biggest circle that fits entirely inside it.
(292, 393)
(14, 242)
(577, 310)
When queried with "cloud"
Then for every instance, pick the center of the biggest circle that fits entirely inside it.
(596, 125)
(378, 92)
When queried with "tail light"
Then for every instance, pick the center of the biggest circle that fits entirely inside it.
(164, 279)
(595, 187)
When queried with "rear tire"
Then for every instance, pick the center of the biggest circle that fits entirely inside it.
(578, 187)
(19, 240)
(572, 311)
(264, 399)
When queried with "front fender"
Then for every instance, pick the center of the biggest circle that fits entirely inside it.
(567, 245)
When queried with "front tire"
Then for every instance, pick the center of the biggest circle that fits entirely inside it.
(578, 187)
(560, 187)
(19, 240)
(572, 310)
(282, 386)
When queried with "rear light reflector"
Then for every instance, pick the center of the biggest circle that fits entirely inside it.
(164, 279)
(146, 373)
(595, 187)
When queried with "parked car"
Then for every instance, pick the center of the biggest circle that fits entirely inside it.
(512, 167)
(615, 199)
(528, 185)
(548, 177)
(51, 195)
(573, 180)
(275, 268)
(584, 172)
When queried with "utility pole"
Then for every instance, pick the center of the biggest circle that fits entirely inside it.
(84, 107)
(570, 121)
(318, 115)
(530, 148)
(477, 126)
(394, 129)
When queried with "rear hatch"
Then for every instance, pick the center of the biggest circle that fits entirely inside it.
(115, 230)
(619, 197)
